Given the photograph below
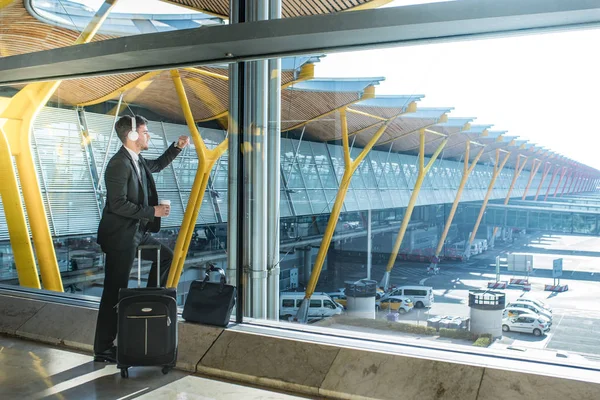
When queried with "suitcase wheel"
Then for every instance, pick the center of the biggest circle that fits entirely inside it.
(165, 370)
(124, 373)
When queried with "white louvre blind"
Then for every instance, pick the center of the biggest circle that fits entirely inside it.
(64, 173)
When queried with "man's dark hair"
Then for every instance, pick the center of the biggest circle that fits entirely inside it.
(123, 125)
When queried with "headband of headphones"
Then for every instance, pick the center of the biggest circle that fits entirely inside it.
(133, 134)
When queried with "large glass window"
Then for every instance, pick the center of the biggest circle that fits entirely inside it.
(371, 141)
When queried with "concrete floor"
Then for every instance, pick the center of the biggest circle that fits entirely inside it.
(30, 370)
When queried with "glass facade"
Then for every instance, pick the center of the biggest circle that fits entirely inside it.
(406, 154)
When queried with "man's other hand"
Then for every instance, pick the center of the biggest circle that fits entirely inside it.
(162, 211)
(183, 141)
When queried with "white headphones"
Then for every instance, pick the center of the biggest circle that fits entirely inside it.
(133, 134)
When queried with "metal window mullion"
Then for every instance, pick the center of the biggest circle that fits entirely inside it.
(370, 168)
(89, 161)
(296, 153)
(304, 183)
(162, 126)
(43, 179)
(287, 193)
(110, 137)
(402, 176)
(317, 169)
(319, 178)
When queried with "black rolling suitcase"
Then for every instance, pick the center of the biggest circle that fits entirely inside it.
(147, 324)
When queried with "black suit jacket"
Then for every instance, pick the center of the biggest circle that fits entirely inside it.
(124, 209)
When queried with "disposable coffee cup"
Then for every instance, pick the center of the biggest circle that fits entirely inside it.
(165, 203)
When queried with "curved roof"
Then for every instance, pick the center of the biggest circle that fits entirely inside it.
(289, 8)
(308, 104)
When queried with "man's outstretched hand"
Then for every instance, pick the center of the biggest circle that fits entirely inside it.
(183, 141)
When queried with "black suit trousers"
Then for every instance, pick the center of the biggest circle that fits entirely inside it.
(117, 273)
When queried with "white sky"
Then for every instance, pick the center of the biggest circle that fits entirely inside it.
(541, 88)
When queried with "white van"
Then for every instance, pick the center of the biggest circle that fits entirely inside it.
(321, 305)
(422, 296)
(484, 242)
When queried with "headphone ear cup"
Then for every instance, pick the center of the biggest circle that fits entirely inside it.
(133, 136)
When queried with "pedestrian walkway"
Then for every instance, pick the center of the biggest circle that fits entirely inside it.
(30, 370)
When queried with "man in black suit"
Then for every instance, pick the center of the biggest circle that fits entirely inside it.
(131, 213)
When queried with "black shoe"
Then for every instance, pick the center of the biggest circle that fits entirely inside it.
(109, 355)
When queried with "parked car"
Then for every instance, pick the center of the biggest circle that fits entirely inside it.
(512, 312)
(532, 307)
(539, 303)
(526, 324)
(401, 304)
(341, 294)
(340, 298)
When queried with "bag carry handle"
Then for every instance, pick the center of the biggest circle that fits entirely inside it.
(149, 247)
(212, 268)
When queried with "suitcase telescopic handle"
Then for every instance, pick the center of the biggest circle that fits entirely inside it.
(149, 247)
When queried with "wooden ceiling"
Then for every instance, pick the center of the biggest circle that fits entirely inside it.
(208, 94)
(289, 8)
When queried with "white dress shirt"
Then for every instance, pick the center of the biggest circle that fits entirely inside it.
(135, 157)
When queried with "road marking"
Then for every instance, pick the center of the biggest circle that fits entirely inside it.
(422, 281)
(553, 330)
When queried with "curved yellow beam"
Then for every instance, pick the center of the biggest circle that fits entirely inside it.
(122, 89)
(368, 93)
(411, 108)
(196, 9)
(307, 72)
(206, 161)
(206, 73)
(366, 114)
(516, 174)
(15, 218)
(350, 168)
(467, 169)
(4, 3)
(532, 174)
(443, 118)
(16, 121)
(422, 173)
(497, 170)
(370, 5)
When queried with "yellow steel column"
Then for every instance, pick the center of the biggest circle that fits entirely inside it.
(551, 182)
(562, 192)
(350, 167)
(532, 174)
(17, 122)
(423, 170)
(547, 168)
(587, 184)
(573, 180)
(516, 174)
(463, 181)
(562, 175)
(15, 219)
(497, 170)
(4, 3)
(582, 178)
(577, 183)
(206, 161)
